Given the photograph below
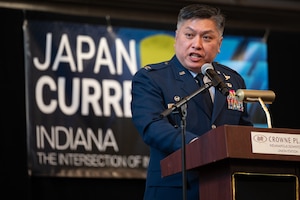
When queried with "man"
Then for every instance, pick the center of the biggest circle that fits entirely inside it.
(159, 86)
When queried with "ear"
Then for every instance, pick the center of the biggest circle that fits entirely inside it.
(176, 33)
(220, 44)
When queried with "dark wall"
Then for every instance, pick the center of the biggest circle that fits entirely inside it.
(283, 55)
(13, 125)
(283, 52)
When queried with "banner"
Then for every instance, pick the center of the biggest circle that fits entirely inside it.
(78, 94)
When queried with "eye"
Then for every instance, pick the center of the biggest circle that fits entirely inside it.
(189, 35)
(207, 37)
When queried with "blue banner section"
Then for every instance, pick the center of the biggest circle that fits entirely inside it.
(78, 94)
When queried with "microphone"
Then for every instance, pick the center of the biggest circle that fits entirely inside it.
(267, 96)
(208, 70)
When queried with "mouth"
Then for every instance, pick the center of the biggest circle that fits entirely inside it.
(195, 55)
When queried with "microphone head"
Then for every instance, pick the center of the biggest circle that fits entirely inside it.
(213, 76)
(205, 67)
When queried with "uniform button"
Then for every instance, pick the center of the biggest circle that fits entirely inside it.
(213, 126)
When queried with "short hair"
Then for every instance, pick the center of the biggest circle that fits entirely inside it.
(200, 11)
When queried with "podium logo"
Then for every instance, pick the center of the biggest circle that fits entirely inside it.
(260, 138)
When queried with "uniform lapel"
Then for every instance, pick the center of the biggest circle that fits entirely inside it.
(189, 86)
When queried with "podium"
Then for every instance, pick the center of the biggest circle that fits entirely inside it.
(233, 167)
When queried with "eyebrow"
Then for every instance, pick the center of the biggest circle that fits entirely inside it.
(202, 32)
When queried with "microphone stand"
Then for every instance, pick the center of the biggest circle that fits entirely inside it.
(185, 100)
(183, 112)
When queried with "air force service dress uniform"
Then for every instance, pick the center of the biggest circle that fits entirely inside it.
(159, 86)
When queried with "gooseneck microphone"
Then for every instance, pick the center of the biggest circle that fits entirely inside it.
(208, 70)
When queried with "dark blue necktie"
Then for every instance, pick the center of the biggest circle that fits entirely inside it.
(204, 93)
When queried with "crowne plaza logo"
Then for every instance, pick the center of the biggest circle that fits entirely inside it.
(260, 138)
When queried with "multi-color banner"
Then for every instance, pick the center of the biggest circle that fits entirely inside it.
(78, 94)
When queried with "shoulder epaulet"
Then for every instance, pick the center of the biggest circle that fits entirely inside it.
(156, 66)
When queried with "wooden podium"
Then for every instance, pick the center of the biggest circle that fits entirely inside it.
(229, 170)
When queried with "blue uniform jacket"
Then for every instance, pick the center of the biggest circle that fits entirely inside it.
(157, 86)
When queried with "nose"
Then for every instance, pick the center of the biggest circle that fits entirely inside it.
(197, 43)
